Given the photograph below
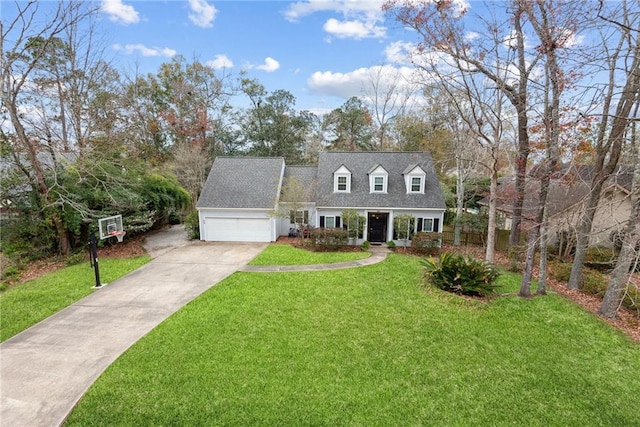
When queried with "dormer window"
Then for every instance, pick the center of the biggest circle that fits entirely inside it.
(342, 180)
(415, 179)
(416, 184)
(378, 179)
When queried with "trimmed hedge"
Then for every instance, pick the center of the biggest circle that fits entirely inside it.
(427, 243)
(329, 238)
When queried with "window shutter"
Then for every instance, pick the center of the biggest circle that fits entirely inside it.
(436, 224)
(321, 221)
(337, 222)
(306, 217)
(419, 225)
(292, 216)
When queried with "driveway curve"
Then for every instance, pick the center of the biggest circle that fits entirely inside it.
(46, 369)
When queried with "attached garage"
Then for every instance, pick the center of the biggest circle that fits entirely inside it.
(237, 229)
(239, 198)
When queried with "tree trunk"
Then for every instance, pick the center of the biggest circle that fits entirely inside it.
(618, 282)
(619, 277)
(542, 276)
(519, 101)
(459, 202)
(491, 226)
(521, 174)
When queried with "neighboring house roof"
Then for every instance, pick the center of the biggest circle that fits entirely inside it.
(567, 188)
(243, 182)
(360, 163)
(562, 196)
(307, 177)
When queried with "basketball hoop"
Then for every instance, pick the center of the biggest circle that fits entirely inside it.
(118, 235)
(108, 228)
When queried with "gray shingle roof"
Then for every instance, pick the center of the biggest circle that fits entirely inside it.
(307, 177)
(360, 163)
(242, 182)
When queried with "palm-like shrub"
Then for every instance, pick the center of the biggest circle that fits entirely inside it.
(462, 275)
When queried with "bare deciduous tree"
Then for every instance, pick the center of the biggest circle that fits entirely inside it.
(32, 43)
(441, 29)
(618, 98)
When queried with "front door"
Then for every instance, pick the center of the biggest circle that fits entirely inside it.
(377, 223)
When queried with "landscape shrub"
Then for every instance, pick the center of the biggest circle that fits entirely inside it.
(599, 254)
(631, 298)
(560, 271)
(366, 245)
(462, 275)
(10, 273)
(391, 244)
(600, 258)
(427, 243)
(77, 257)
(329, 238)
(192, 225)
(594, 283)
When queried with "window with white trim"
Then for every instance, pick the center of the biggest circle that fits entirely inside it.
(299, 216)
(428, 225)
(416, 184)
(378, 184)
(342, 180)
(330, 221)
(378, 179)
(342, 183)
(415, 180)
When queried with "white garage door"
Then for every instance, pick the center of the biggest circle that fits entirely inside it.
(238, 229)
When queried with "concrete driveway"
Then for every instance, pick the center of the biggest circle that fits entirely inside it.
(46, 369)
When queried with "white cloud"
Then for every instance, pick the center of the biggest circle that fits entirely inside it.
(270, 65)
(568, 38)
(399, 52)
(471, 36)
(353, 29)
(220, 61)
(300, 9)
(202, 13)
(354, 83)
(144, 50)
(120, 12)
(360, 18)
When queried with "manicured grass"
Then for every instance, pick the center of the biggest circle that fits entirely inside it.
(26, 304)
(280, 254)
(369, 346)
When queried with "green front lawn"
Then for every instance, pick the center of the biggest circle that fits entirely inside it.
(279, 254)
(24, 305)
(369, 346)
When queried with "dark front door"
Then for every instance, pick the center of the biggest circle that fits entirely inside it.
(377, 223)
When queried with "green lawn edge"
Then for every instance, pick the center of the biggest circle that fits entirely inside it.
(369, 346)
(284, 254)
(26, 304)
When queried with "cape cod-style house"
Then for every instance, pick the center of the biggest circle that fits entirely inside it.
(241, 194)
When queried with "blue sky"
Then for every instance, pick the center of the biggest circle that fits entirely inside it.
(320, 51)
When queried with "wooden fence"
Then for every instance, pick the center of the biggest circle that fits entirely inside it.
(476, 238)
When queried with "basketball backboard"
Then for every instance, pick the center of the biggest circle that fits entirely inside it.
(111, 227)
